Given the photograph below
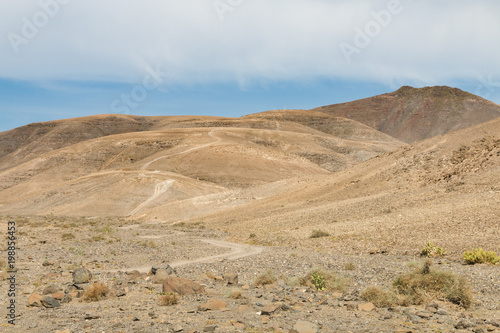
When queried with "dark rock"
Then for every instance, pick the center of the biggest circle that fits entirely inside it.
(81, 275)
(166, 267)
(50, 302)
(50, 290)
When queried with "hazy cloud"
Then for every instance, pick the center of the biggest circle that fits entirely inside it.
(114, 40)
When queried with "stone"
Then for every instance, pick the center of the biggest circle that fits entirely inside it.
(366, 307)
(161, 275)
(178, 328)
(166, 267)
(305, 327)
(463, 324)
(231, 278)
(337, 295)
(35, 299)
(59, 296)
(50, 290)
(182, 286)
(49, 263)
(50, 302)
(134, 275)
(81, 275)
(212, 304)
(424, 314)
(66, 299)
(442, 312)
(269, 309)
(209, 328)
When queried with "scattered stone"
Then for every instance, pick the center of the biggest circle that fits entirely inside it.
(66, 299)
(49, 263)
(337, 295)
(213, 304)
(366, 307)
(269, 309)
(178, 328)
(424, 314)
(210, 328)
(50, 290)
(59, 296)
(65, 331)
(35, 299)
(463, 324)
(134, 275)
(231, 278)
(161, 275)
(442, 312)
(305, 327)
(50, 302)
(81, 275)
(169, 270)
(91, 316)
(182, 286)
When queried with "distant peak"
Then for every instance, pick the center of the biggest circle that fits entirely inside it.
(436, 91)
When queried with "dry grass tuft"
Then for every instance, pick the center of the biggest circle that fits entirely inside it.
(235, 294)
(96, 292)
(380, 297)
(268, 277)
(319, 234)
(425, 283)
(67, 236)
(168, 299)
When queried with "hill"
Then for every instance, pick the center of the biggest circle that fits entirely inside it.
(412, 114)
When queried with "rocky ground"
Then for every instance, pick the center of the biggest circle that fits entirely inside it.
(51, 286)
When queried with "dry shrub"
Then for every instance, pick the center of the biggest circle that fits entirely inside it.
(425, 283)
(168, 299)
(319, 234)
(235, 294)
(268, 277)
(349, 266)
(67, 236)
(96, 292)
(331, 281)
(380, 297)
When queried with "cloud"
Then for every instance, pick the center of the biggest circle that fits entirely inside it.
(115, 40)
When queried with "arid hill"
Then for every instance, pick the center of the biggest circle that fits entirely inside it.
(411, 114)
(172, 160)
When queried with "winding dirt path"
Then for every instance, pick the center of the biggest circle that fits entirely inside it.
(238, 251)
(211, 133)
(159, 190)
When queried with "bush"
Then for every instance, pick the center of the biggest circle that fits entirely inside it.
(268, 277)
(479, 256)
(325, 279)
(319, 234)
(235, 294)
(380, 297)
(168, 299)
(96, 292)
(424, 282)
(432, 251)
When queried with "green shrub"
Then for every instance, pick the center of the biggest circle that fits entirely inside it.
(325, 279)
(425, 282)
(319, 234)
(479, 256)
(432, 251)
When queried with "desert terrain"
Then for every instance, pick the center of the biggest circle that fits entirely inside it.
(281, 219)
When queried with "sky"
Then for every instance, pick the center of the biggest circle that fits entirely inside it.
(71, 58)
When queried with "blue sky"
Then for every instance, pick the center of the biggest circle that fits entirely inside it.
(71, 58)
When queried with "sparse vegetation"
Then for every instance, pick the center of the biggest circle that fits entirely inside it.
(480, 256)
(235, 294)
(380, 297)
(96, 292)
(330, 280)
(319, 234)
(318, 281)
(430, 250)
(67, 236)
(168, 299)
(424, 282)
(349, 266)
(268, 277)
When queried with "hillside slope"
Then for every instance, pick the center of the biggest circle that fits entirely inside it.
(411, 114)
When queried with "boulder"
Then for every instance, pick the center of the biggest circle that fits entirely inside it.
(81, 275)
(182, 286)
(50, 302)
